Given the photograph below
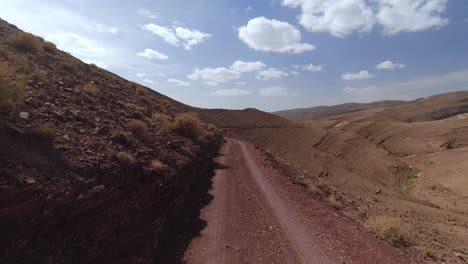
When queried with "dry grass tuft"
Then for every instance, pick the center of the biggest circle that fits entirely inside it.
(158, 166)
(125, 159)
(122, 138)
(45, 131)
(25, 42)
(49, 47)
(11, 89)
(163, 121)
(137, 127)
(90, 89)
(390, 229)
(188, 125)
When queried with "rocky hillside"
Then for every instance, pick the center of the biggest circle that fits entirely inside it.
(92, 166)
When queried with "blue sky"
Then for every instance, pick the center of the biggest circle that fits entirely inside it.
(271, 55)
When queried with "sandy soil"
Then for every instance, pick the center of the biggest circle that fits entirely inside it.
(258, 215)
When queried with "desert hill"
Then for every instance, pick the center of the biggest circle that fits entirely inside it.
(89, 162)
(319, 112)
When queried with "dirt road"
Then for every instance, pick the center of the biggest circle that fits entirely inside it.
(260, 216)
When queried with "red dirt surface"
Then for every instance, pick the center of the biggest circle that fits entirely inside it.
(259, 215)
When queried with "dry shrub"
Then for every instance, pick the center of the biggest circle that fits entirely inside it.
(141, 90)
(70, 66)
(188, 125)
(135, 108)
(125, 159)
(122, 138)
(49, 47)
(11, 89)
(25, 42)
(158, 166)
(45, 131)
(90, 89)
(390, 229)
(162, 120)
(137, 127)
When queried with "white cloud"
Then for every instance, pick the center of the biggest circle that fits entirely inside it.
(274, 91)
(310, 67)
(389, 65)
(273, 35)
(230, 92)
(149, 81)
(102, 28)
(152, 55)
(357, 76)
(337, 17)
(341, 18)
(214, 76)
(242, 66)
(77, 45)
(140, 75)
(295, 73)
(271, 73)
(161, 75)
(178, 82)
(409, 16)
(178, 36)
(147, 13)
(241, 83)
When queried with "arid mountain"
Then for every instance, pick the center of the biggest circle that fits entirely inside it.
(92, 167)
(319, 112)
(399, 170)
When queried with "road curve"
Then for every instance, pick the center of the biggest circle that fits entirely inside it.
(260, 216)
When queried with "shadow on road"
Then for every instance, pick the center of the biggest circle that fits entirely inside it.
(186, 225)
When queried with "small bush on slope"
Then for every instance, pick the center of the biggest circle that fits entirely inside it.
(188, 125)
(11, 89)
(25, 42)
(390, 229)
(137, 127)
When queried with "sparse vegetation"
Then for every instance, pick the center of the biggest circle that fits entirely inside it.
(187, 125)
(122, 138)
(158, 166)
(25, 42)
(46, 131)
(49, 47)
(390, 229)
(409, 180)
(162, 120)
(90, 89)
(125, 159)
(11, 89)
(141, 90)
(137, 127)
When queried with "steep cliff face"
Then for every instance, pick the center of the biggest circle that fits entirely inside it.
(91, 166)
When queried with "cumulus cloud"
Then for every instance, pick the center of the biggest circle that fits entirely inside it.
(102, 28)
(271, 73)
(397, 16)
(242, 66)
(178, 36)
(341, 18)
(274, 91)
(230, 92)
(178, 82)
(310, 67)
(389, 65)
(295, 73)
(152, 55)
(272, 35)
(140, 75)
(357, 76)
(214, 76)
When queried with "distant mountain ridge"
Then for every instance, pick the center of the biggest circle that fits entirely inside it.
(318, 112)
